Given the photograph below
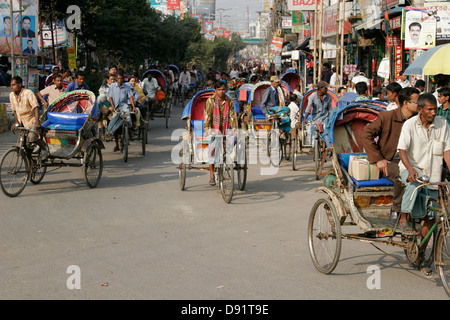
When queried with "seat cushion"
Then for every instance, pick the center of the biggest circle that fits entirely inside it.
(257, 113)
(65, 121)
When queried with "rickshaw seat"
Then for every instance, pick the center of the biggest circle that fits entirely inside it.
(197, 127)
(344, 160)
(257, 113)
(65, 121)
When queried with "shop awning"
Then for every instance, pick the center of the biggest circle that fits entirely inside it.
(369, 24)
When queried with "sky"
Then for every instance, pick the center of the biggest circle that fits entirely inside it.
(236, 19)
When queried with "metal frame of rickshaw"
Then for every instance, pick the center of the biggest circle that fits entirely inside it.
(193, 114)
(367, 204)
(69, 122)
(167, 88)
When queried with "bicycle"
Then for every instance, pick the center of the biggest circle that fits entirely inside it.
(320, 154)
(124, 136)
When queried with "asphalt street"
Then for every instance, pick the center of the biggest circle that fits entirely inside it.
(138, 236)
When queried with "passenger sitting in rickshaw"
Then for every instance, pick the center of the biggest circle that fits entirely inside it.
(219, 116)
(139, 98)
(270, 96)
(119, 95)
(423, 145)
(319, 107)
(382, 151)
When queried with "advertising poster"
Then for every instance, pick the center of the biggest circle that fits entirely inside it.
(420, 29)
(441, 11)
(276, 46)
(60, 35)
(220, 32)
(209, 26)
(173, 4)
(299, 5)
(27, 27)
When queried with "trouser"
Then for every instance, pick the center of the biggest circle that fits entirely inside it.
(399, 186)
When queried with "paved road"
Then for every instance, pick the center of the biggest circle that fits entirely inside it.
(137, 236)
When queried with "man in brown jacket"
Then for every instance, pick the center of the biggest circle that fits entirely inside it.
(387, 128)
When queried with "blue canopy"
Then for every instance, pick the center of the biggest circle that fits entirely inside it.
(336, 113)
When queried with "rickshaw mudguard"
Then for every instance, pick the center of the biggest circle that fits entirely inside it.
(90, 141)
(336, 201)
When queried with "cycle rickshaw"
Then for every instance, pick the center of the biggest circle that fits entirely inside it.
(303, 135)
(366, 204)
(69, 133)
(163, 105)
(194, 149)
(292, 79)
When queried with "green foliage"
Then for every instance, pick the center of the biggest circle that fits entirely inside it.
(131, 31)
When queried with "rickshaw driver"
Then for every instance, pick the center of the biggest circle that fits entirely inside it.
(423, 145)
(319, 106)
(26, 113)
(119, 95)
(219, 115)
(387, 128)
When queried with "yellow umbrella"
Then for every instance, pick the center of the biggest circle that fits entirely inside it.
(432, 62)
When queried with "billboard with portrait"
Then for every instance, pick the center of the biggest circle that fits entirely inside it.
(26, 27)
(419, 29)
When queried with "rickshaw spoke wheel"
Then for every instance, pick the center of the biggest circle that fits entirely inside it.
(126, 142)
(324, 236)
(294, 150)
(442, 259)
(14, 172)
(242, 165)
(93, 166)
(226, 181)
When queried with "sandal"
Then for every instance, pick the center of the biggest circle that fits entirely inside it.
(212, 182)
(407, 230)
(427, 272)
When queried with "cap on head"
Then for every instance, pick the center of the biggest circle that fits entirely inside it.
(274, 79)
(322, 84)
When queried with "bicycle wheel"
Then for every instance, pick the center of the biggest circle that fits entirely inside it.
(126, 142)
(324, 236)
(143, 130)
(442, 259)
(38, 170)
(294, 150)
(317, 157)
(167, 113)
(226, 181)
(14, 172)
(242, 167)
(287, 146)
(92, 165)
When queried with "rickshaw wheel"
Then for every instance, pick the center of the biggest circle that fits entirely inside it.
(324, 236)
(242, 167)
(226, 181)
(294, 150)
(182, 175)
(442, 259)
(317, 158)
(125, 142)
(14, 172)
(144, 137)
(92, 165)
(37, 172)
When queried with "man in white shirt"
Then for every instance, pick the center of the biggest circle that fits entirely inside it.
(185, 80)
(423, 145)
(403, 81)
(150, 86)
(234, 73)
(360, 77)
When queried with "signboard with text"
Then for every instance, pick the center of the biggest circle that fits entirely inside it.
(299, 5)
(276, 45)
